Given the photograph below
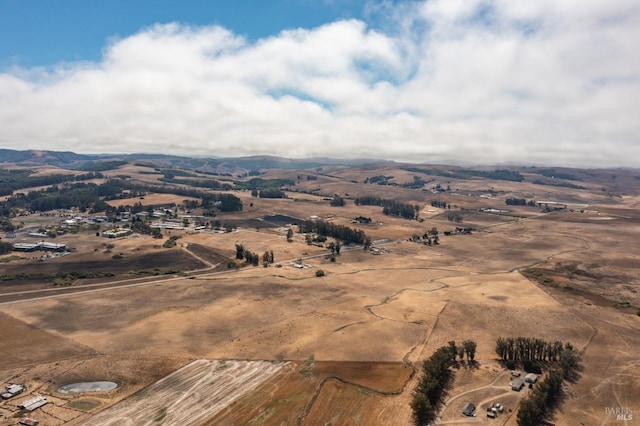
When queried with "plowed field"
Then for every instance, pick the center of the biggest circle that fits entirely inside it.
(190, 395)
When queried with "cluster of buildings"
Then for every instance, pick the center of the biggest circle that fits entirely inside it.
(518, 382)
(11, 391)
(28, 405)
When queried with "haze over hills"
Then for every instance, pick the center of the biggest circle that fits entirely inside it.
(72, 160)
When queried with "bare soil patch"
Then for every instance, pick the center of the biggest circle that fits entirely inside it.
(24, 344)
(151, 200)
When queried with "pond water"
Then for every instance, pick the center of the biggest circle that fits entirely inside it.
(76, 388)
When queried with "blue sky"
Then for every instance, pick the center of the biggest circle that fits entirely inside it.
(45, 32)
(464, 81)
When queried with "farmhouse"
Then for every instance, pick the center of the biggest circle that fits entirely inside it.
(531, 378)
(468, 409)
(12, 390)
(517, 384)
(116, 233)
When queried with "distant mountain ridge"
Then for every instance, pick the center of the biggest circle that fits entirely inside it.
(71, 160)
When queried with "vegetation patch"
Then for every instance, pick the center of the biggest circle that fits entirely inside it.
(11, 258)
(306, 367)
(390, 207)
(559, 183)
(157, 271)
(84, 404)
(171, 242)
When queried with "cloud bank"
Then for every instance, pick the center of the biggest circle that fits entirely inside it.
(472, 81)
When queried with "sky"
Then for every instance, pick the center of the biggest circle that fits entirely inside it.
(482, 82)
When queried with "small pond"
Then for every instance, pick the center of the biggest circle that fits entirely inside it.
(77, 388)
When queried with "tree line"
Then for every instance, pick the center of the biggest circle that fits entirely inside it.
(90, 196)
(501, 174)
(252, 258)
(260, 183)
(520, 202)
(440, 204)
(13, 180)
(541, 401)
(520, 349)
(268, 193)
(329, 229)
(390, 207)
(436, 380)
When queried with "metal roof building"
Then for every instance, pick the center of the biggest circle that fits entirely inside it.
(517, 384)
(33, 403)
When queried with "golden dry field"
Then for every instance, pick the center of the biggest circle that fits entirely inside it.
(343, 348)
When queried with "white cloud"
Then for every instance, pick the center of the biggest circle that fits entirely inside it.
(476, 81)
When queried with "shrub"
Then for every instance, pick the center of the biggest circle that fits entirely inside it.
(319, 273)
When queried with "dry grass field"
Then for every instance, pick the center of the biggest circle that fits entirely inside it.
(353, 337)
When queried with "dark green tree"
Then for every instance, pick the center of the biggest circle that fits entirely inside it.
(469, 349)
(239, 251)
(5, 247)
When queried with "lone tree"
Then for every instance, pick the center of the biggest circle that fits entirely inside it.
(289, 234)
(367, 243)
(470, 349)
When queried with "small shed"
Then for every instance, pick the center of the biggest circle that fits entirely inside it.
(531, 378)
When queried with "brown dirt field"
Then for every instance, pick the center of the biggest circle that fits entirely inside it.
(150, 200)
(278, 401)
(343, 404)
(25, 344)
(285, 398)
